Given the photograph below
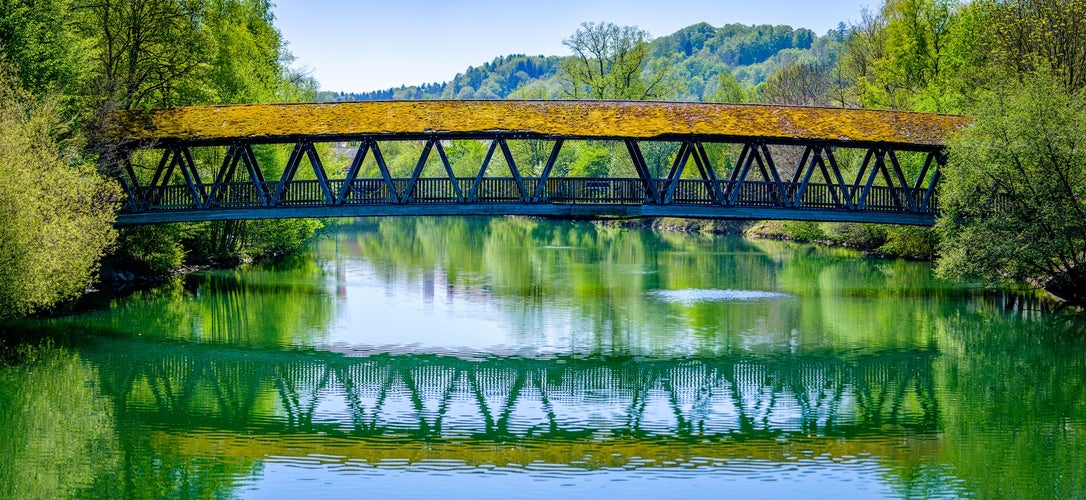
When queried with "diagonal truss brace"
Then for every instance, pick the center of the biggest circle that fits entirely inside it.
(365, 146)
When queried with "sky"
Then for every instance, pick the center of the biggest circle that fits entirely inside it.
(364, 45)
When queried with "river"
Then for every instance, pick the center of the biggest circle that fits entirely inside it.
(518, 358)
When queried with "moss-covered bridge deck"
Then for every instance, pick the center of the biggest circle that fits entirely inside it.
(749, 161)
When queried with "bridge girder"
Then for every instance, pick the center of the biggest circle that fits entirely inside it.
(752, 187)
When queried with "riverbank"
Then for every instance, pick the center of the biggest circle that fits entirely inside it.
(872, 239)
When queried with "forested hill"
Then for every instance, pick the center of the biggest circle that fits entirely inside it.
(698, 55)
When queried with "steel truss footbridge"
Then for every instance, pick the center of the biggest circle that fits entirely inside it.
(722, 161)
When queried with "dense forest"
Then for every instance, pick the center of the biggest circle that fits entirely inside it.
(65, 66)
(1014, 194)
(699, 56)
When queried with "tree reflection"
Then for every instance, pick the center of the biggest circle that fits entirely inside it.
(59, 434)
(193, 389)
(278, 304)
(1015, 401)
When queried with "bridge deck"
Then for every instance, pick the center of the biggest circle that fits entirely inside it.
(566, 119)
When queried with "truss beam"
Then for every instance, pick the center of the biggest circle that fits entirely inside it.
(815, 183)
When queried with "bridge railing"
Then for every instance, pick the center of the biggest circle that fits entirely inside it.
(558, 190)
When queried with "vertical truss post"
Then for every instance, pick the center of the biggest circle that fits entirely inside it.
(878, 154)
(702, 159)
(255, 174)
(225, 174)
(902, 182)
(826, 174)
(924, 170)
(921, 176)
(129, 181)
(739, 174)
(846, 193)
(478, 184)
(676, 172)
(318, 169)
(940, 161)
(546, 174)
(352, 171)
(383, 167)
(773, 175)
(800, 167)
(860, 176)
(418, 171)
(192, 177)
(807, 170)
(288, 174)
(704, 169)
(513, 169)
(449, 171)
(643, 171)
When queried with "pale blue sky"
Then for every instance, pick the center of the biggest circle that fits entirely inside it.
(370, 45)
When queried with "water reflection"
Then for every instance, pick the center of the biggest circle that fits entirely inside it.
(510, 398)
(409, 355)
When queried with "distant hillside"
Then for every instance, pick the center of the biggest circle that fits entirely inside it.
(700, 54)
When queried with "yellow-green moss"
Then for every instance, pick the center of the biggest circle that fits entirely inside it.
(588, 119)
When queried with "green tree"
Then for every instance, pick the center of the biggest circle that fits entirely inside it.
(612, 62)
(57, 211)
(1013, 195)
(1026, 34)
(903, 57)
(728, 90)
(37, 40)
(798, 85)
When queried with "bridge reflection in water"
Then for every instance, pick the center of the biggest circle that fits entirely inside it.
(435, 398)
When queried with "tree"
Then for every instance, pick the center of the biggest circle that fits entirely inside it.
(611, 62)
(728, 89)
(57, 210)
(147, 49)
(1026, 34)
(799, 85)
(44, 52)
(899, 57)
(1014, 194)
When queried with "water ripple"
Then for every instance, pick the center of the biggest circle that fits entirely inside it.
(693, 295)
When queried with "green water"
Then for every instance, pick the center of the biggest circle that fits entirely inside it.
(510, 358)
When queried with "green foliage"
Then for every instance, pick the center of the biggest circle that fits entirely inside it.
(147, 53)
(279, 236)
(906, 56)
(728, 89)
(613, 62)
(1024, 35)
(154, 249)
(861, 236)
(591, 159)
(1013, 195)
(697, 63)
(803, 231)
(37, 40)
(59, 434)
(909, 241)
(798, 85)
(57, 211)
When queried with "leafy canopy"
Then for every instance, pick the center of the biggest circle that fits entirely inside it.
(1014, 196)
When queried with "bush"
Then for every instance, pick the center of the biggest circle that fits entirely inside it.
(1013, 195)
(57, 212)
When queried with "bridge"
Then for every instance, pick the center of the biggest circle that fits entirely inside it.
(509, 399)
(721, 161)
